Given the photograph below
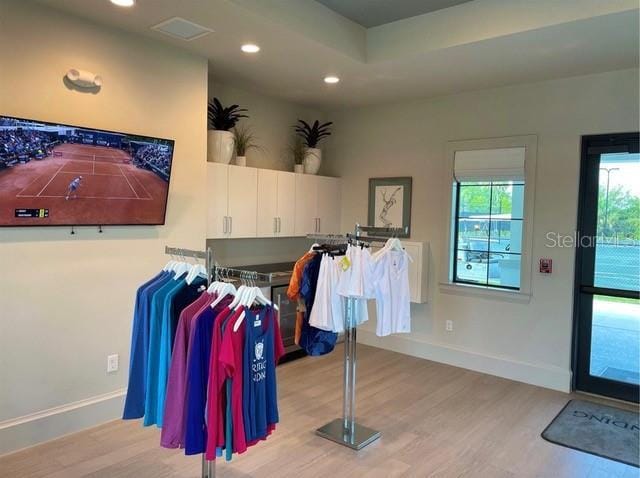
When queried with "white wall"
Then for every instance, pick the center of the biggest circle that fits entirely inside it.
(270, 119)
(66, 301)
(529, 342)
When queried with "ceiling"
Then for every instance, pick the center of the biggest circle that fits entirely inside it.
(371, 13)
(473, 45)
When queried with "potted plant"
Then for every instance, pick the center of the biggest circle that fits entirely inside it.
(220, 139)
(297, 150)
(243, 140)
(311, 136)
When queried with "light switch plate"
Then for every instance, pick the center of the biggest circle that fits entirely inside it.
(112, 363)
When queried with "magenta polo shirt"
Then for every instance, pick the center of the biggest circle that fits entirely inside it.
(172, 435)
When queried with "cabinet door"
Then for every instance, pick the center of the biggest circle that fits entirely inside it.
(217, 200)
(328, 205)
(267, 211)
(306, 204)
(286, 203)
(243, 201)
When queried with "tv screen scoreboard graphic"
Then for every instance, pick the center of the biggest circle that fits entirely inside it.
(39, 213)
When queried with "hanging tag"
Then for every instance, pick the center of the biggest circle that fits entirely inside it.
(344, 263)
(257, 323)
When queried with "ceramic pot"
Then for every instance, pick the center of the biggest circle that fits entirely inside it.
(241, 160)
(312, 160)
(219, 146)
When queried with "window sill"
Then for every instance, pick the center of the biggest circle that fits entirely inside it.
(485, 292)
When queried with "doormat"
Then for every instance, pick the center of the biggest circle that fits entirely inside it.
(597, 429)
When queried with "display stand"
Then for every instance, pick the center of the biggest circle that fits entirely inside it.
(346, 431)
(208, 467)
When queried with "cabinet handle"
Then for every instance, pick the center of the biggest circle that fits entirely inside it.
(275, 225)
(319, 227)
(224, 224)
(230, 224)
(279, 224)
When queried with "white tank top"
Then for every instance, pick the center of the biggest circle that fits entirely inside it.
(391, 271)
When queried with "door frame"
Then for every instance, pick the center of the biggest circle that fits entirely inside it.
(593, 146)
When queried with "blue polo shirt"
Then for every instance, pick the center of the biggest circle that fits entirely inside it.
(134, 402)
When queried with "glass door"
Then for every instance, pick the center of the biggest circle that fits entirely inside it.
(607, 299)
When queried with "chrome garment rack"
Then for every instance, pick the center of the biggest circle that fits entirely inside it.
(346, 431)
(221, 272)
(208, 467)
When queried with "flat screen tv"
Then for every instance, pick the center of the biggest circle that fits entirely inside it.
(62, 175)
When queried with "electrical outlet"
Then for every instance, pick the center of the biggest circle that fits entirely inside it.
(112, 363)
(449, 325)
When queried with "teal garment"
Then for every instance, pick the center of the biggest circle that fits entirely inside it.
(228, 429)
(153, 359)
(175, 301)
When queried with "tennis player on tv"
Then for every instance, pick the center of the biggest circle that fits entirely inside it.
(72, 190)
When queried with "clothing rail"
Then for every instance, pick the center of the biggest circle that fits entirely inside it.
(226, 272)
(208, 467)
(346, 431)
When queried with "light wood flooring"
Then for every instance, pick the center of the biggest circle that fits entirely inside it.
(436, 421)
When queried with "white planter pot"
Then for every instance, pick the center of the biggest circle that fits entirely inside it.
(241, 160)
(312, 160)
(298, 168)
(219, 146)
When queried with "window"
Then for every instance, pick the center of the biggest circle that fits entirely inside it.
(488, 233)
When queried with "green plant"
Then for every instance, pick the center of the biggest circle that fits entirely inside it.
(243, 140)
(222, 118)
(297, 149)
(311, 135)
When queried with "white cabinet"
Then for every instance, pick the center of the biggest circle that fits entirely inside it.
(217, 199)
(306, 221)
(418, 270)
(243, 201)
(232, 195)
(277, 203)
(317, 205)
(247, 202)
(328, 210)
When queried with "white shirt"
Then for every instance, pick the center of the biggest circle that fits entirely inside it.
(391, 279)
(328, 306)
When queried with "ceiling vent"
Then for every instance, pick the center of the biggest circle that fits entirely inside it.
(183, 29)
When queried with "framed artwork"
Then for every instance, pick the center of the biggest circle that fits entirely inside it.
(390, 203)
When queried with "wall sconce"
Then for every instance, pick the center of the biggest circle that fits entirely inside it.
(84, 79)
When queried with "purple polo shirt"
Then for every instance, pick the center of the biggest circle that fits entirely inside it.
(173, 424)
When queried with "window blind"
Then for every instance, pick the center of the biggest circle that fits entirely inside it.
(506, 164)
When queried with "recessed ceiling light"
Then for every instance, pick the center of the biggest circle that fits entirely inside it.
(123, 3)
(331, 79)
(250, 48)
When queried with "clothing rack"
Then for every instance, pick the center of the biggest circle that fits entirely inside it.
(208, 467)
(246, 275)
(346, 431)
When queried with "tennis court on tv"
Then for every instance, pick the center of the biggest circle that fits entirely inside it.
(111, 188)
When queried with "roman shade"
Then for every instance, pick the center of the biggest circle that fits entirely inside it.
(505, 164)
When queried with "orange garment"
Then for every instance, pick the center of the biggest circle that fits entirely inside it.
(293, 292)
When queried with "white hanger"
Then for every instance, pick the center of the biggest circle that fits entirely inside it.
(168, 266)
(225, 289)
(196, 270)
(180, 269)
(315, 244)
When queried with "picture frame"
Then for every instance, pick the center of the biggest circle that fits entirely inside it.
(390, 203)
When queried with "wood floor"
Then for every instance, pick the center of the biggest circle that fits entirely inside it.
(436, 421)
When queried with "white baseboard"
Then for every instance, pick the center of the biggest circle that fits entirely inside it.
(419, 345)
(28, 430)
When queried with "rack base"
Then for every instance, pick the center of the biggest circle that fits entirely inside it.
(337, 432)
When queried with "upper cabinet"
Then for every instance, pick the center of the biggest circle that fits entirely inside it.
(317, 205)
(232, 197)
(250, 202)
(277, 203)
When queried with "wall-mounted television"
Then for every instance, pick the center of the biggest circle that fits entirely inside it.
(62, 175)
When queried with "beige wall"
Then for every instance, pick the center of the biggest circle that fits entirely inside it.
(66, 301)
(270, 119)
(529, 342)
